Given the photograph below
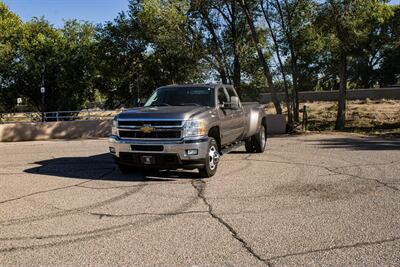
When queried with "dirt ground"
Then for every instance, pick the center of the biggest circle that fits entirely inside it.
(381, 118)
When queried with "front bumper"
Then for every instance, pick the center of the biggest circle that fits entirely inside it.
(166, 154)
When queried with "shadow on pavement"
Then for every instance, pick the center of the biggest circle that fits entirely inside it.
(101, 167)
(359, 143)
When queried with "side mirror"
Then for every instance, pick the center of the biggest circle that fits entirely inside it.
(234, 102)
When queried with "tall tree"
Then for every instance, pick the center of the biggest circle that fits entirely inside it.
(249, 12)
(11, 30)
(347, 24)
(277, 48)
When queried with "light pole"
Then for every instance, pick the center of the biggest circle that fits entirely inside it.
(43, 92)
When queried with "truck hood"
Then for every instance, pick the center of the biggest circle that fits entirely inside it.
(164, 112)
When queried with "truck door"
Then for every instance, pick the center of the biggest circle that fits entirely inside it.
(225, 116)
(238, 117)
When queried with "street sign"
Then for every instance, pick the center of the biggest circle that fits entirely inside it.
(42, 90)
(19, 101)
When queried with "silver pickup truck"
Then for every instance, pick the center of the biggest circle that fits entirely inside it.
(188, 127)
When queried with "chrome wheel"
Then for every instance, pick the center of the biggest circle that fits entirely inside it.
(213, 156)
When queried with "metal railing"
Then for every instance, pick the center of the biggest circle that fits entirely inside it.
(75, 115)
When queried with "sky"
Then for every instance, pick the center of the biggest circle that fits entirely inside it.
(55, 11)
(95, 11)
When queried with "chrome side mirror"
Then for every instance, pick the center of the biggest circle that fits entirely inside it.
(234, 102)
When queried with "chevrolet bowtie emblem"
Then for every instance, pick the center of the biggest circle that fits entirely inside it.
(147, 129)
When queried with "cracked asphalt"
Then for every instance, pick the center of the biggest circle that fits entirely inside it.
(327, 199)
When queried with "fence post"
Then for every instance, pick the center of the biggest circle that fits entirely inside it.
(57, 115)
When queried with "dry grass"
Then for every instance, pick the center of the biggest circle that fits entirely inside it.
(381, 118)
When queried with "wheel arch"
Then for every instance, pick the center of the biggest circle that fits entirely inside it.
(215, 133)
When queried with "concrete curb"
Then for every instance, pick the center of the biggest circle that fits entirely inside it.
(54, 130)
(276, 124)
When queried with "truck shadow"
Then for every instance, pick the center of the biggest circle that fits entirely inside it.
(101, 167)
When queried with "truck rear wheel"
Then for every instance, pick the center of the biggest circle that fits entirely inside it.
(211, 161)
(258, 142)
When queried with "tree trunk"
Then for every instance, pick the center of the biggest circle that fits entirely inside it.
(341, 114)
(236, 69)
(222, 75)
(281, 67)
(219, 53)
(295, 78)
(261, 57)
(287, 29)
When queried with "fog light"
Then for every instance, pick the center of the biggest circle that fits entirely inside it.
(112, 150)
(191, 152)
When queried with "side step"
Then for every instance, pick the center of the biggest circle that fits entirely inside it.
(231, 147)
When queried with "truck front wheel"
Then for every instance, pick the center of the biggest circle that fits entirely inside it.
(258, 142)
(211, 161)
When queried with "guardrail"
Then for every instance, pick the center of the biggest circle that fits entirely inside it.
(77, 115)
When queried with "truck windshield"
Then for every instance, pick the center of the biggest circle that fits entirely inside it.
(181, 96)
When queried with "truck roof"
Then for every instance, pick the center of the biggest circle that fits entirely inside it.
(208, 85)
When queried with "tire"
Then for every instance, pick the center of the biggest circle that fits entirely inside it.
(258, 142)
(211, 161)
(249, 145)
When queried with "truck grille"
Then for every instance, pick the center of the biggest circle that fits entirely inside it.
(159, 129)
(155, 134)
(149, 123)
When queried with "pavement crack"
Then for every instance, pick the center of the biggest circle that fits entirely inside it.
(42, 192)
(199, 185)
(334, 171)
(356, 245)
(57, 188)
(102, 215)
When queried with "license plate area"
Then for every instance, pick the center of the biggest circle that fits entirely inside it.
(147, 160)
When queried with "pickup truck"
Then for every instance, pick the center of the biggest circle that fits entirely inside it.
(187, 127)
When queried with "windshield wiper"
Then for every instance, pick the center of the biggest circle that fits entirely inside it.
(160, 105)
(188, 104)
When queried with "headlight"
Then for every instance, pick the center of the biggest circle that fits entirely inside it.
(194, 128)
(114, 128)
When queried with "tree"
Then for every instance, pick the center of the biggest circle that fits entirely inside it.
(277, 48)
(266, 70)
(11, 30)
(347, 24)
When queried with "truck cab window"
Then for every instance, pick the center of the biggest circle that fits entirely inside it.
(222, 96)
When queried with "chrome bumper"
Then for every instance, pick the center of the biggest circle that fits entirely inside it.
(179, 148)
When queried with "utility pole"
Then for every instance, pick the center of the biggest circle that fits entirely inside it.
(43, 92)
(42, 88)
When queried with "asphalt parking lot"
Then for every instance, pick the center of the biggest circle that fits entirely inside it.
(331, 200)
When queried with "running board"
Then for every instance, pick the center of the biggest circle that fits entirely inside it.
(232, 147)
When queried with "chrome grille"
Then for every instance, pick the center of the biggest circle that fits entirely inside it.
(152, 135)
(149, 123)
(161, 129)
